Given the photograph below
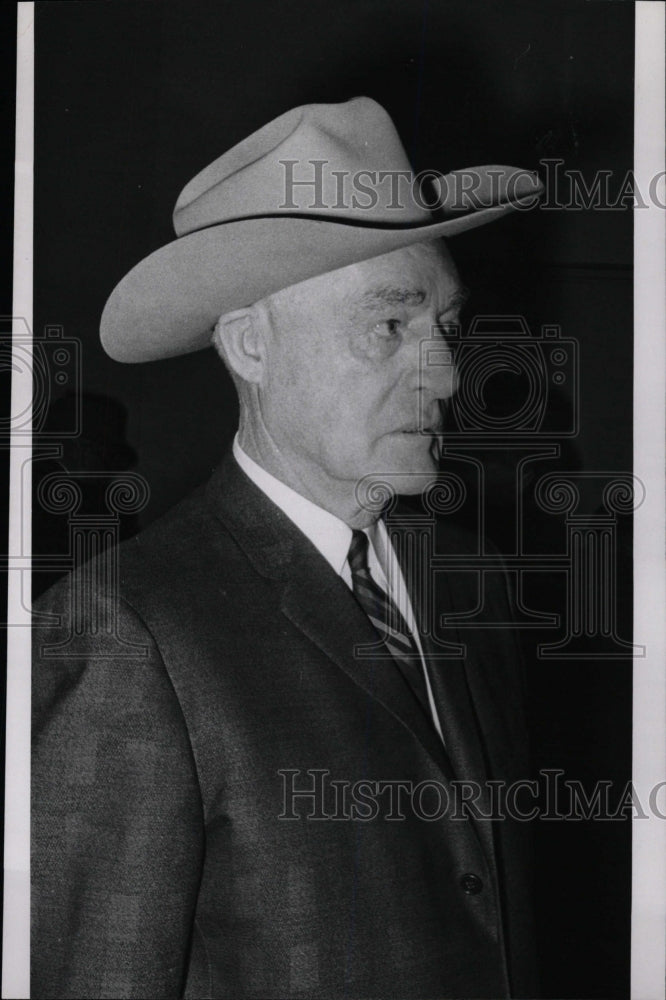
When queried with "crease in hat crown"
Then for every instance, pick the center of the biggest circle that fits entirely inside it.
(304, 162)
(239, 238)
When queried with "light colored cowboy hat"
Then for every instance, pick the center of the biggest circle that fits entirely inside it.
(318, 188)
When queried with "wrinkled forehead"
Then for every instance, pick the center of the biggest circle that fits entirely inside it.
(427, 267)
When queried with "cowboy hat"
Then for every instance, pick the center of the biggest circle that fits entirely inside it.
(321, 187)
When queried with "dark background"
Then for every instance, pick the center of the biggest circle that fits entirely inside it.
(132, 99)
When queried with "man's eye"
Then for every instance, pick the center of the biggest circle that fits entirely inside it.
(388, 327)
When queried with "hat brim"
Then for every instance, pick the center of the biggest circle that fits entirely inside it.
(168, 304)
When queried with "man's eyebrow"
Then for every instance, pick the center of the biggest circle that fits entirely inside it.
(458, 299)
(392, 296)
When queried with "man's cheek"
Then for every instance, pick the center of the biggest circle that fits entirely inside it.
(370, 346)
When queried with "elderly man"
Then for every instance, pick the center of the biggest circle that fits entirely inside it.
(218, 776)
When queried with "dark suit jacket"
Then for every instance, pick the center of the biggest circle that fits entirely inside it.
(161, 867)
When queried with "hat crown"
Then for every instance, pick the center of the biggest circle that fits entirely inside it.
(331, 160)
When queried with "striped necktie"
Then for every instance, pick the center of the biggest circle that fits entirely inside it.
(389, 624)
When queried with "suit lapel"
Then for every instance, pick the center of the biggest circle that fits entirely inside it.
(461, 714)
(321, 605)
(431, 597)
(314, 598)
(454, 705)
(450, 681)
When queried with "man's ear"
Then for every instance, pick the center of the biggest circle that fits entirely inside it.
(238, 338)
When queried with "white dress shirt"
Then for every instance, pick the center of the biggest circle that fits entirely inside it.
(332, 537)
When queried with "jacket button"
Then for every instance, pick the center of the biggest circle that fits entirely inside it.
(471, 884)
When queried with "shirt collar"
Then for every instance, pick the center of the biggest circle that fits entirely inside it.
(330, 535)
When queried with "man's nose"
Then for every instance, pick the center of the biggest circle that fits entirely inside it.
(437, 370)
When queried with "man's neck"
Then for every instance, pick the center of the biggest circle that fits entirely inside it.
(338, 499)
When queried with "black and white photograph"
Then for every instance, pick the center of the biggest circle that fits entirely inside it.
(327, 506)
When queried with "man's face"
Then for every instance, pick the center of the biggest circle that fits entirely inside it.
(344, 394)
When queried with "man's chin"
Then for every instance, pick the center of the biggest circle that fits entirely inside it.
(410, 464)
(411, 483)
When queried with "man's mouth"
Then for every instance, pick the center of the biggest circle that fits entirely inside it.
(434, 429)
(419, 430)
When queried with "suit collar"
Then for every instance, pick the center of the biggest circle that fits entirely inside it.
(261, 529)
(328, 533)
